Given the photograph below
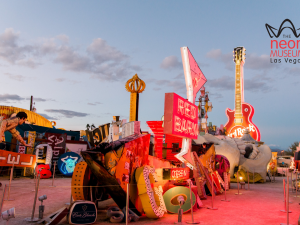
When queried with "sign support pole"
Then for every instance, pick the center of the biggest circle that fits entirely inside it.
(296, 184)
(192, 213)
(225, 200)
(11, 175)
(287, 205)
(53, 175)
(32, 219)
(127, 204)
(212, 195)
(237, 177)
(248, 179)
(4, 190)
(284, 195)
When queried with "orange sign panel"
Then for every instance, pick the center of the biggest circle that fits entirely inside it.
(20, 160)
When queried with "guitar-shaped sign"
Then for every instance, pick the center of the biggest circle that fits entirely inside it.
(240, 118)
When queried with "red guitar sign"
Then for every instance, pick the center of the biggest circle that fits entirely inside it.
(240, 118)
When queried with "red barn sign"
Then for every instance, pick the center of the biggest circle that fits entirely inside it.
(180, 117)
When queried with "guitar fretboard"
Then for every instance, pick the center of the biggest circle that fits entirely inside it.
(239, 93)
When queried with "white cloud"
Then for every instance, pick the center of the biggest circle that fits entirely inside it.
(48, 117)
(171, 62)
(256, 62)
(67, 113)
(63, 38)
(95, 103)
(9, 97)
(15, 77)
(103, 52)
(214, 54)
(253, 61)
(217, 54)
(222, 83)
(99, 59)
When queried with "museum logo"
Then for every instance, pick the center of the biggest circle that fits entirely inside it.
(285, 46)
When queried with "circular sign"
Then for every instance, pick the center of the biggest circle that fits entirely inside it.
(67, 162)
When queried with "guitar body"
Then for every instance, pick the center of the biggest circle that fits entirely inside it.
(237, 131)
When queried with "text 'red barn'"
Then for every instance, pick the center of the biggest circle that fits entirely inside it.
(180, 117)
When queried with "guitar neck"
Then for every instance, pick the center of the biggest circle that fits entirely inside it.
(239, 93)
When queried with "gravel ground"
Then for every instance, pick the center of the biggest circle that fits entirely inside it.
(259, 205)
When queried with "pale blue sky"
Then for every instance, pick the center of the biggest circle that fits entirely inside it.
(74, 57)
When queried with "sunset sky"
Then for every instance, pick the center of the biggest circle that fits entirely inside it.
(75, 57)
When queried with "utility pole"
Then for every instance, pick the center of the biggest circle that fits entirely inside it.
(31, 100)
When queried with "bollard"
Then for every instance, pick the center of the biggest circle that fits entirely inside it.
(71, 200)
(4, 189)
(296, 184)
(191, 199)
(32, 219)
(41, 211)
(34, 177)
(248, 179)
(212, 195)
(11, 175)
(181, 201)
(127, 204)
(284, 196)
(91, 193)
(36, 193)
(237, 177)
(287, 206)
(225, 200)
(53, 175)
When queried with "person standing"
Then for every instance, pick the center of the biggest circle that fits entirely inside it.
(11, 124)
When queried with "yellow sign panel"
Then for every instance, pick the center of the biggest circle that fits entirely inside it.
(31, 140)
(133, 100)
(152, 199)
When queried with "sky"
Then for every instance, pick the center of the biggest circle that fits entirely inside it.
(74, 58)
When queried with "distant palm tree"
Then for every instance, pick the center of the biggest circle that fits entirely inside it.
(87, 126)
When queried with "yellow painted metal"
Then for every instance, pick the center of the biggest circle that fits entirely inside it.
(133, 101)
(135, 86)
(152, 200)
(111, 161)
(135, 80)
(32, 117)
(242, 173)
(78, 181)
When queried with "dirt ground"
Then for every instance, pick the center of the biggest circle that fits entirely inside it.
(261, 204)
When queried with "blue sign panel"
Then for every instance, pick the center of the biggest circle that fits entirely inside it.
(67, 162)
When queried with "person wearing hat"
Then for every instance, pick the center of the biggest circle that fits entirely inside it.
(11, 124)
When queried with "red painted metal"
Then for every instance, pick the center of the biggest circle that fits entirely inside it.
(238, 130)
(180, 117)
(169, 140)
(158, 131)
